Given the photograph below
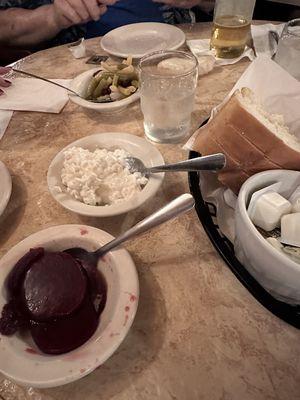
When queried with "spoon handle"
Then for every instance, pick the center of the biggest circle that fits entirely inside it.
(211, 162)
(44, 79)
(178, 206)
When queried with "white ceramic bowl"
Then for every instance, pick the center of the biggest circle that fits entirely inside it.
(135, 146)
(80, 83)
(275, 271)
(5, 187)
(20, 359)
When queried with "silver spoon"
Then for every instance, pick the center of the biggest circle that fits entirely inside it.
(178, 206)
(212, 162)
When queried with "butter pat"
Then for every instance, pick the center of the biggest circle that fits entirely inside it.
(206, 64)
(295, 200)
(78, 48)
(290, 229)
(175, 65)
(296, 206)
(268, 210)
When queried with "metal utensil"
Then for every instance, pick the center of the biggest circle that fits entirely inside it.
(178, 206)
(58, 84)
(46, 80)
(212, 162)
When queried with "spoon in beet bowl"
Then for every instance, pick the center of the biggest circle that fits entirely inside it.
(176, 207)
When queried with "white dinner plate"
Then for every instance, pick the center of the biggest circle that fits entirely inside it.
(5, 187)
(134, 145)
(136, 40)
(21, 360)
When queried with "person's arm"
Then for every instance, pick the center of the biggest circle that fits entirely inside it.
(20, 27)
(181, 3)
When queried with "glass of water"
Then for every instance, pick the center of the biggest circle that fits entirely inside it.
(168, 85)
(288, 50)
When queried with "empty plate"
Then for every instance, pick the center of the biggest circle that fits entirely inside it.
(136, 40)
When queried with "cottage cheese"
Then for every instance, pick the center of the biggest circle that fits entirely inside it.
(100, 177)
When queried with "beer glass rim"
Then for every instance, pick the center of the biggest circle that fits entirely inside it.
(169, 52)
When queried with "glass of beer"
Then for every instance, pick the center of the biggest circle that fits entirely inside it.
(231, 27)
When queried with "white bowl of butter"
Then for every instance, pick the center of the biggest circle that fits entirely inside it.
(272, 268)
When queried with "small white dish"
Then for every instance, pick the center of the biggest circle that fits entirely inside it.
(5, 187)
(135, 146)
(137, 40)
(80, 83)
(21, 361)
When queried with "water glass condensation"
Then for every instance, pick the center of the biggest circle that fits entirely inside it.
(168, 85)
(231, 27)
(288, 51)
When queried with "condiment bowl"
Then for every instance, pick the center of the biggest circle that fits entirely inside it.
(135, 146)
(80, 83)
(22, 361)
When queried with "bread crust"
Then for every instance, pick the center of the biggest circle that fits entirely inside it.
(249, 146)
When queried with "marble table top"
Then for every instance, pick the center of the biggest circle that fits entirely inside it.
(198, 333)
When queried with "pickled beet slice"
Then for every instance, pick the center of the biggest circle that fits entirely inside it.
(12, 318)
(68, 333)
(57, 297)
(15, 278)
(54, 286)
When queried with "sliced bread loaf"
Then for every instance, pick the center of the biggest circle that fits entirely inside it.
(252, 140)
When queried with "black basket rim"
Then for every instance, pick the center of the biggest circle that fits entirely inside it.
(287, 312)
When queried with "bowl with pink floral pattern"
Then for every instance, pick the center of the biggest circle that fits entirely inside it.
(22, 361)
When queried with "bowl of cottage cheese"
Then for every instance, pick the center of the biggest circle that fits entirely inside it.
(90, 176)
